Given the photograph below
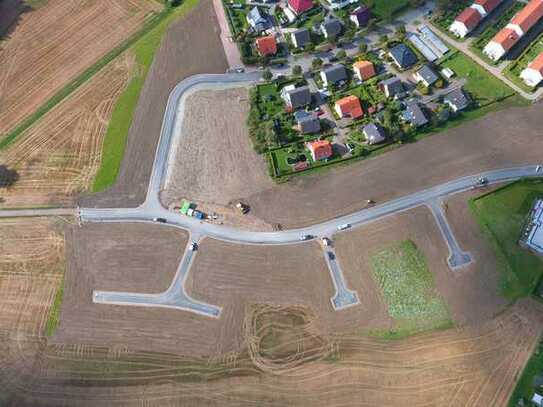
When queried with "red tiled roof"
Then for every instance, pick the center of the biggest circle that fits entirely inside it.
(299, 6)
(537, 63)
(470, 17)
(506, 38)
(350, 105)
(266, 45)
(320, 149)
(529, 15)
(488, 5)
(365, 68)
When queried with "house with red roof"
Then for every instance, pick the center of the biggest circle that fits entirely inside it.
(320, 149)
(349, 106)
(300, 6)
(533, 74)
(266, 45)
(519, 25)
(364, 70)
(470, 17)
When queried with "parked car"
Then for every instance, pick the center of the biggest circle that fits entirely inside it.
(482, 181)
(193, 246)
(344, 226)
(331, 256)
(160, 220)
(306, 237)
(326, 241)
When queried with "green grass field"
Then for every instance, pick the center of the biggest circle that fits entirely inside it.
(121, 117)
(386, 9)
(501, 215)
(54, 313)
(480, 84)
(409, 290)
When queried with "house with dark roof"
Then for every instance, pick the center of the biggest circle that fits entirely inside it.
(392, 86)
(457, 100)
(426, 75)
(297, 97)
(360, 16)
(300, 38)
(258, 20)
(333, 75)
(307, 123)
(374, 133)
(402, 56)
(414, 115)
(331, 28)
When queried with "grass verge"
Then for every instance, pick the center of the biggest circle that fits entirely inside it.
(121, 118)
(81, 79)
(409, 290)
(54, 313)
(501, 215)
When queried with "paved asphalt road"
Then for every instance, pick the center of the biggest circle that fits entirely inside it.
(343, 297)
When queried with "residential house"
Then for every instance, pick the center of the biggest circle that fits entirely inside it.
(349, 106)
(258, 20)
(320, 149)
(519, 25)
(296, 98)
(300, 6)
(426, 75)
(360, 16)
(374, 133)
(470, 18)
(448, 73)
(300, 38)
(414, 114)
(331, 28)
(402, 56)
(333, 75)
(392, 87)
(266, 45)
(364, 70)
(307, 123)
(533, 74)
(457, 100)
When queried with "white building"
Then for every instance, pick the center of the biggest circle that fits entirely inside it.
(532, 237)
(533, 74)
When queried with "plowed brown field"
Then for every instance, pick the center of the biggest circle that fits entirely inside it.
(53, 44)
(59, 156)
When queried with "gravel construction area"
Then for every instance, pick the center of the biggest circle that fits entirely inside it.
(53, 44)
(503, 139)
(471, 293)
(214, 159)
(190, 46)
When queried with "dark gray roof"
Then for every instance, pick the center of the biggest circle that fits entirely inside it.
(332, 27)
(335, 73)
(362, 14)
(403, 56)
(258, 20)
(457, 99)
(374, 133)
(309, 123)
(299, 97)
(302, 36)
(428, 74)
(414, 114)
(394, 85)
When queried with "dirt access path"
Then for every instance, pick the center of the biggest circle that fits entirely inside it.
(190, 46)
(55, 43)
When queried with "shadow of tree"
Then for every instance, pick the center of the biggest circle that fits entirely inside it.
(10, 15)
(7, 177)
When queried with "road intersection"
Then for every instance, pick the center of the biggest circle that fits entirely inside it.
(152, 210)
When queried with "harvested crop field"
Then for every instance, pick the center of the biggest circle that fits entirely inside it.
(471, 293)
(57, 158)
(476, 146)
(290, 363)
(190, 46)
(214, 159)
(53, 44)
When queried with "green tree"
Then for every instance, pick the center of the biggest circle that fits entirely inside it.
(296, 70)
(316, 63)
(341, 54)
(363, 47)
(267, 75)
